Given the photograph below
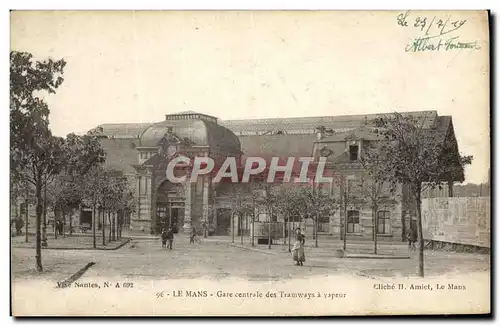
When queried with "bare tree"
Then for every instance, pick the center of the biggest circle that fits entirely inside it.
(417, 156)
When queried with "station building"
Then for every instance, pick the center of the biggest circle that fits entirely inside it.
(142, 151)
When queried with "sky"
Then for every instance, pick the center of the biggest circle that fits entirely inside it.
(138, 66)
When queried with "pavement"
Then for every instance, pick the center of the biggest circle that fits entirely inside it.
(74, 242)
(218, 259)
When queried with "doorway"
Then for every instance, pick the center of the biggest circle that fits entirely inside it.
(86, 217)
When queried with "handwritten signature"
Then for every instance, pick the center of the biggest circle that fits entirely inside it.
(435, 36)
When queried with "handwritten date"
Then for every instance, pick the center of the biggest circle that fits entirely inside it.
(432, 25)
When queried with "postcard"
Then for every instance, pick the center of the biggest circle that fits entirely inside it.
(250, 163)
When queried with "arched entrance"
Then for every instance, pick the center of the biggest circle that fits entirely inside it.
(170, 206)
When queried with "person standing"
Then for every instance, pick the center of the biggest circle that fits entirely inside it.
(170, 237)
(412, 238)
(298, 248)
(163, 238)
(192, 234)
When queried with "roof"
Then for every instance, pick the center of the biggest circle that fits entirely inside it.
(277, 145)
(295, 125)
(257, 137)
(120, 154)
(341, 123)
(123, 130)
(362, 132)
(200, 132)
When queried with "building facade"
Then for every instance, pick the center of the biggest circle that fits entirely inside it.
(142, 152)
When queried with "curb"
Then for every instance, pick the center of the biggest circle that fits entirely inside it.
(76, 276)
(374, 256)
(79, 248)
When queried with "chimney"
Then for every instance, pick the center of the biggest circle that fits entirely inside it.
(320, 132)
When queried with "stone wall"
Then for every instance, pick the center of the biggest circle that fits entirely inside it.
(461, 220)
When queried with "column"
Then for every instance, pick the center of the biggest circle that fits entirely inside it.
(187, 209)
(137, 214)
(148, 211)
(205, 207)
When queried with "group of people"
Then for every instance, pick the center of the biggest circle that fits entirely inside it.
(167, 237)
(297, 250)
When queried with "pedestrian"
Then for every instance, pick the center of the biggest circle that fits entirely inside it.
(298, 248)
(412, 238)
(170, 237)
(192, 234)
(163, 238)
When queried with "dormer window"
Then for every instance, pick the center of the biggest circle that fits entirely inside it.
(353, 152)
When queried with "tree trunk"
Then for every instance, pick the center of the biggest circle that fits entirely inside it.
(284, 230)
(44, 229)
(71, 222)
(345, 227)
(420, 235)
(26, 217)
(38, 245)
(115, 216)
(269, 239)
(94, 236)
(55, 224)
(289, 236)
(241, 228)
(375, 227)
(109, 232)
(103, 228)
(403, 227)
(112, 226)
(316, 230)
(118, 226)
(64, 223)
(253, 231)
(232, 226)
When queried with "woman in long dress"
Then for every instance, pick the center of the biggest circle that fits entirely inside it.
(298, 248)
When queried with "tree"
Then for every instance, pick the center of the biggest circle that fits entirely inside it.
(94, 184)
(128, 206)
(19, 187)
(82, 153)
(375, 194)
(415, 156)
(33, 149)
(291, 203)
(318, 203)
(241, 205)
(267, 197)
(44, 161)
